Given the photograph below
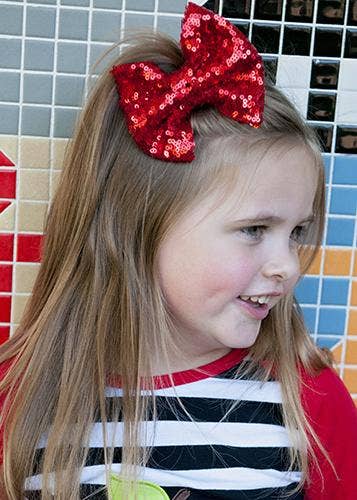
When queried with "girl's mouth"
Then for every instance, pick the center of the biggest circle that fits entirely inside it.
(256, 310)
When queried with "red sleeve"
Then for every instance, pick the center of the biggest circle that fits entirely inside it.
(333, 416)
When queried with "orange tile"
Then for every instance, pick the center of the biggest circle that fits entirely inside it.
(337, 262)
(337, 353)
(354, 293)
(352, 322)
(315, 266)
(351, 352)
(350, 379)
(355, 264)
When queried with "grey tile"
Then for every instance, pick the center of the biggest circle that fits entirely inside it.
(106, 26)
(41, 21)
(96, 51)
(79, 3)
(10, 53)
(145, 5)
(107, 4)
(9, 86)
(73, 24)
(65, 120)
(39, 55)
(69, 90)
(47, 2)
(170, 6)
(38, 88)
(9, 123)
(133, 21)
(11, 19)
(169, 25)
(71, 57)
(36, 121)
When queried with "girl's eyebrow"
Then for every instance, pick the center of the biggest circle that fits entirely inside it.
(270, 219)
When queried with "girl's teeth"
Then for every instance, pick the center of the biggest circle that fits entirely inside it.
(261, 300)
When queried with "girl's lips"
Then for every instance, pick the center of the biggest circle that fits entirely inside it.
(260, 312)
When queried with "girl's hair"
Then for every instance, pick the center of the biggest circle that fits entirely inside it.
(96, 306)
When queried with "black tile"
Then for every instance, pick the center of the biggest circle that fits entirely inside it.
(266, 38)
(331, 11)
(297, 41)
(346, 140)
(328, 42)
(321, 107)
(243, 27)
(211, 5)
(232, 8)
(324, 133)
(352, 13)
(299, 11)
(324, 74)
(270, 68)
(351, 44)
(268, 9)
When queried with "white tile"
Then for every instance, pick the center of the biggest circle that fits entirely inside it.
(299, 98)
(347, 79)
(346, 112)
(294, 72)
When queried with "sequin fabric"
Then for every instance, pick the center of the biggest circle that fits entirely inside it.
(222, 68)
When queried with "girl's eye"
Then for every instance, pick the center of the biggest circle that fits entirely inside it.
(256, 232)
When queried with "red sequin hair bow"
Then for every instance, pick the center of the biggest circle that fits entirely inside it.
(221, 69)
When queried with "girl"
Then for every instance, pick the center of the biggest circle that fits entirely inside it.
(162, 353)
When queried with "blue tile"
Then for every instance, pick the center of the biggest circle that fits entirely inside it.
(69, 90)
(9, 86)
(306, 290)
(73, 24)
(309, 317)
(340, 231)
(335, 291)
(10, 53)
(143, 5)
(107, 4)
(344, 200)
(64, 122)
(345, 170)
(327, 164)
(9, 123)
(332, 321)
(40, 22)
(72, 57)
(169, 25)
(37, 88)
(327, 342)
(170, 6)
(11, 19)
(39, 55)
(36, 121)
(106, 26)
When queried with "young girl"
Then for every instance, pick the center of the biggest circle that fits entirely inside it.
(162, 353)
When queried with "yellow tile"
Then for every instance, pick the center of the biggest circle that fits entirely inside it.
(8, 145)
(354, 293)
(7, 218)
(351, 352)
(59, 146)
(337, 262)
(34, 184)
(56, 174)
(315, 266)
(352, 322)
(337, 353)
(31, 216)
(35, 152)
(17, 307)
(25, 275)
(350, 379)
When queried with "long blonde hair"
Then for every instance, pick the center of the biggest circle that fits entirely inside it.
(96, 307)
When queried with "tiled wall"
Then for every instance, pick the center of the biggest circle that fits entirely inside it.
(47, 48)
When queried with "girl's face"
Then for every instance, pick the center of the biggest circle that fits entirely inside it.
(213, 256)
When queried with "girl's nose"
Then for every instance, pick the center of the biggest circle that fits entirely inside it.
(282, 266)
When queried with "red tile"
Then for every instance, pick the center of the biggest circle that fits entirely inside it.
(8, 184)
(4, 205)
(6, 246)
(5, 161)
(29, 247)
(5, 308)
(5, 278)
(4, 333)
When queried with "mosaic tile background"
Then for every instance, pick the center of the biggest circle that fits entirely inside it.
(47, 48)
